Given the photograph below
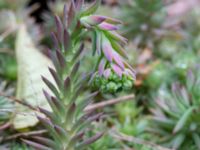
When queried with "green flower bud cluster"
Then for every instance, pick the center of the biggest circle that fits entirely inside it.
(113, 83)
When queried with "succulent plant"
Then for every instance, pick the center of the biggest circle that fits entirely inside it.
(143, 18)
(191, 30)
(184, 60)
(6, 105)
(130, 122)
(167, 48)
(175, 119)
(106, 43)
(106, 142)
(68, 123)
(160, 74)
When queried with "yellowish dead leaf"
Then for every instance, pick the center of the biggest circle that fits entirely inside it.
(31, 65)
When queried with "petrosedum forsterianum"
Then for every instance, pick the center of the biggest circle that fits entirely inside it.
(68, 123)
(176, 115)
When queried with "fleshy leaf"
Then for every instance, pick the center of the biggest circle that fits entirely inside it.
(196, 139)
(183, 120)
(36, 145)
(178, 140)
(90, 140)
(91, 9)
(45, 141)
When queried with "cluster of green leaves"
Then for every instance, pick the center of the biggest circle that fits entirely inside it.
(176, 114)
(113, 83)
(158, 75)
(130, 122)
(143, 18)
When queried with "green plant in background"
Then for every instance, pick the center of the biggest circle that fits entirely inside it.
(160, 74)
(192, 26)
(68, 123)
(182, 61)
(17, 146)
(175, 119)
(167, 48)
(143, 147)
(6, 105)
(129, 118)
(131, 122)
(107, 142)
(6, 109)
(8, 67)
(143, 19)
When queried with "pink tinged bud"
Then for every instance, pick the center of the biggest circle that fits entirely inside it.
(101, 67)
(59, 27)
(130, 73)
(118, 37)
(119, 49)
(117, 70)
(107, 26)
(98, 43)
(118, 60)
(107, 49)
(126, 72)
(93, 20)
(107, 73)
(107, 52)
(84, 23)
(65, 16)
(71, 14)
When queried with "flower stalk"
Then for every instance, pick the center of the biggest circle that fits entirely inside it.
(67, 123)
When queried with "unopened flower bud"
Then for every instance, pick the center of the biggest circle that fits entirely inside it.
(92, 20)
(111, 87)
(127, 85)
(111, 82)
